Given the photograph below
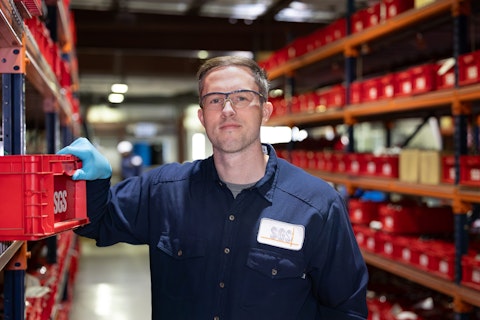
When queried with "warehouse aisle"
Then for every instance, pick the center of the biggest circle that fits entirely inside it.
(112, 283)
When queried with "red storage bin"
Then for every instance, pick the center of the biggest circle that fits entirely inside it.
(368, 165)
(471, 271)
(442, 259)
(395, 7)
(325, 161)
(470, 170)
(361, 211)
(358, 20)
(448, 169)
(365, 237)
(445, 75)
(356, 92)
(317, 37)
(354, 163)
(336, 96)
(39, 197)
(387, 166)
(413, 219)
(424, 78)
(373, 15)
(398, 247)
(403, 83)
(336, 30)
(469, 68)
(387, 86)
(371, 89)
(339, 162)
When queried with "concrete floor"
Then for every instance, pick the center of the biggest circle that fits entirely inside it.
(112, 283)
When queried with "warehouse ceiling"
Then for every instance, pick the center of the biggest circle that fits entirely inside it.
(156, 46)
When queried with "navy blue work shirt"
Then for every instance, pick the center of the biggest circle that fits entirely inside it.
(283, 249)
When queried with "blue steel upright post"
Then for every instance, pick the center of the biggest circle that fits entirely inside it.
(460, 13)
(13, 108)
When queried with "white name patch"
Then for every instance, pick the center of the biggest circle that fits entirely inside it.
(281, 234)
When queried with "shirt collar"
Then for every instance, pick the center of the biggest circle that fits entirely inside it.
(265, 184)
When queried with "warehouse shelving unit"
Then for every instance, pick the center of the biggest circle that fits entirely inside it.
(457, 101)
(32, 90)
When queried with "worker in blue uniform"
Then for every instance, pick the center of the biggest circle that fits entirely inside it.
(240, 235)
(131, 164)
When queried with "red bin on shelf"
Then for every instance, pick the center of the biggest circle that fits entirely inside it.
(39, 197)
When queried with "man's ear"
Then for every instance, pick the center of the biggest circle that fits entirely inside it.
(200, 116)
(267, 111)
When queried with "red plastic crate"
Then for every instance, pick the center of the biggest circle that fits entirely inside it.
(361, 211)
(403, 83)
(470, 170)
(356, 92)
(366, 237)
(358, 20)
(413, 219)
(387, 166)
(336, 96)
(395, 7)
(387, 86)
(448, 169)
(371, 89)
(373, 15)
(424, 78)
(442, 256)
(39, 197)
(445, 75)
(340, 162)
(336, 30)
(469, 68)
(471, 271)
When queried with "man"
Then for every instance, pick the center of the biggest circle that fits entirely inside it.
(240, 235)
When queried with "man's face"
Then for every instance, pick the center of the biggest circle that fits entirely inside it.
(231, 129)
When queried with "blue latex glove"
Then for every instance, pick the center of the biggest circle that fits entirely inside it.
(94, 164)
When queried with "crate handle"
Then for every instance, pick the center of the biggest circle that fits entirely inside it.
(68, 224)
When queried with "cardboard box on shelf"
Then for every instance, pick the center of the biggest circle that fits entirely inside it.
(430, 171)
(409, 165)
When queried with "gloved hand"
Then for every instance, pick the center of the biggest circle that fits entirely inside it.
(94, 164)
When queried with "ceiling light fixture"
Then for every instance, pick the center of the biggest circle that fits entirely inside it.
(115, 98)
(119, 88)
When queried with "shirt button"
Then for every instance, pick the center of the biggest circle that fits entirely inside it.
(274, 272)
(179, 253)
(231, 217)
(226, 250)
(222, 285)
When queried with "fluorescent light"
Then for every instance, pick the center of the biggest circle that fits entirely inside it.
(115, 97)
(119, 88)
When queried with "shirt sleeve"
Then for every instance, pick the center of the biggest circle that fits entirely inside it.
(114, 213)
(340, 275)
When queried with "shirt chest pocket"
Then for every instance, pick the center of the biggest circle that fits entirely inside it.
(272, 282)
(273, 265)
(180, 263)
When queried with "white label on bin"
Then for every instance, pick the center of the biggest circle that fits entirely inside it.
(443, 267)
(406, 254)
(476, 276)
(475, 174)
(60, 201)
(388, 248)
(423, 260)
(472, 73)
(281, 234)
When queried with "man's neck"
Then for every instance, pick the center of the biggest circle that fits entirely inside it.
(241, 168)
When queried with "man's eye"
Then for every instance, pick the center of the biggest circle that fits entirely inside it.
(215, 101)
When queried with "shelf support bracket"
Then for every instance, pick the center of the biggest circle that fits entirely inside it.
(14, 292)
(13, 59)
